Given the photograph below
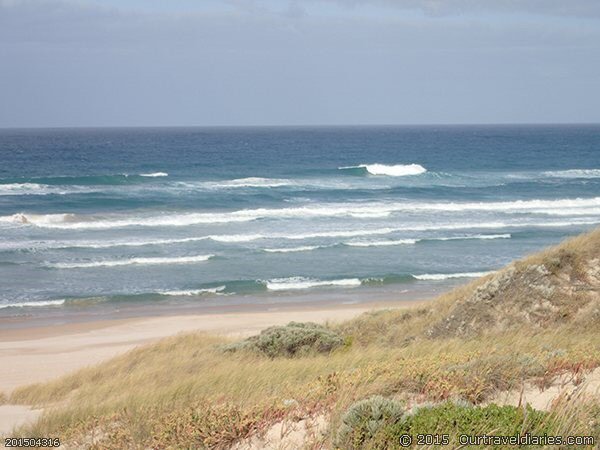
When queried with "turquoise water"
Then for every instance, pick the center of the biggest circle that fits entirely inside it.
(222, 216)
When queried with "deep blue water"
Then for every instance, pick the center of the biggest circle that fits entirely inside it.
(218, 215)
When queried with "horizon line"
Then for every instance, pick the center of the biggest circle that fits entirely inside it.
(381, 125)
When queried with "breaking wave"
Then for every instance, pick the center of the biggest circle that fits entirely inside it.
(447, 276)
(132, 261)
(305, 248)
(252, 182)
(474, 236)
(32, 304)
(192, 292)
(296, 283)
(577, 206)
(41, 189)
(382, 243)
(398, 170)
(154, 174)
(573, 173)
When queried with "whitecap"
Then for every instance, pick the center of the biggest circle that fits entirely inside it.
(298, 283)
(304, 248)
(252, 182)
(573, 173)
(38, 189)
(154, 174)
(474, 236)
(446, 276)
(398, 170)
(132, 261)
(192, 292)
(578, 206)
(32, 304)
(381, 243)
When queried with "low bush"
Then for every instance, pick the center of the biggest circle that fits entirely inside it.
(451, 419)
(365, 419)
(293, 339)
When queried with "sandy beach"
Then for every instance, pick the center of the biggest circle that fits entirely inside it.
(33, 355)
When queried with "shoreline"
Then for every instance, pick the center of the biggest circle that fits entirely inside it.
(39, 354)
(57, 316)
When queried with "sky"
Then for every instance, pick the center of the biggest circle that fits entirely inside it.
(69, 63)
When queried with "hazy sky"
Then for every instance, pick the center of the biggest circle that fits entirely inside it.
(253, 62)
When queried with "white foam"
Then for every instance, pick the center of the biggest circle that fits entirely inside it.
(304, 248)
(398, 170)
(154, 174)
(131, 261)
(69, 221)
(545, 206)
(38, 189)
(236, 237)
(574, 173)
(338, 233)
(192, 292)
(254, 182)
(22, 189)
(32, 304)
(381, 243)
(474, 236)
(446, 276)
(88, 244)
(296, 283)
(577, 206)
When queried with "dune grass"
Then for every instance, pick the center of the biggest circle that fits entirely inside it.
(165, 393)
(187, 392)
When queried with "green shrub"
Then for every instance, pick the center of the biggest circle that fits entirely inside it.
(293, 339)
(365, 419)
(457, 418)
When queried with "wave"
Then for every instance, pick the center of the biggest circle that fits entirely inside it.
(382, 243)
(547, 206)
(476, 236)
(132, 261)
(447, 276)
(296, 283)
(252, 182)
(32, 304)
(429, 227)
(193, 292)
(577, 206)
(236, 237)
(414, 241)
(338, 233)
(104, 244)
(239, 238)
(154, 174)
(23, 189)
(573, 173)
(83, 180)
(41, 189)
(398, 170)
(81, 222)
(305, 248)
(224, 238)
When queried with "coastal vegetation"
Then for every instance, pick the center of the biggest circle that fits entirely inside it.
(293, 339)
(514, 352)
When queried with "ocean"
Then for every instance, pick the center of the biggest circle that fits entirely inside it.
(95, 220)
